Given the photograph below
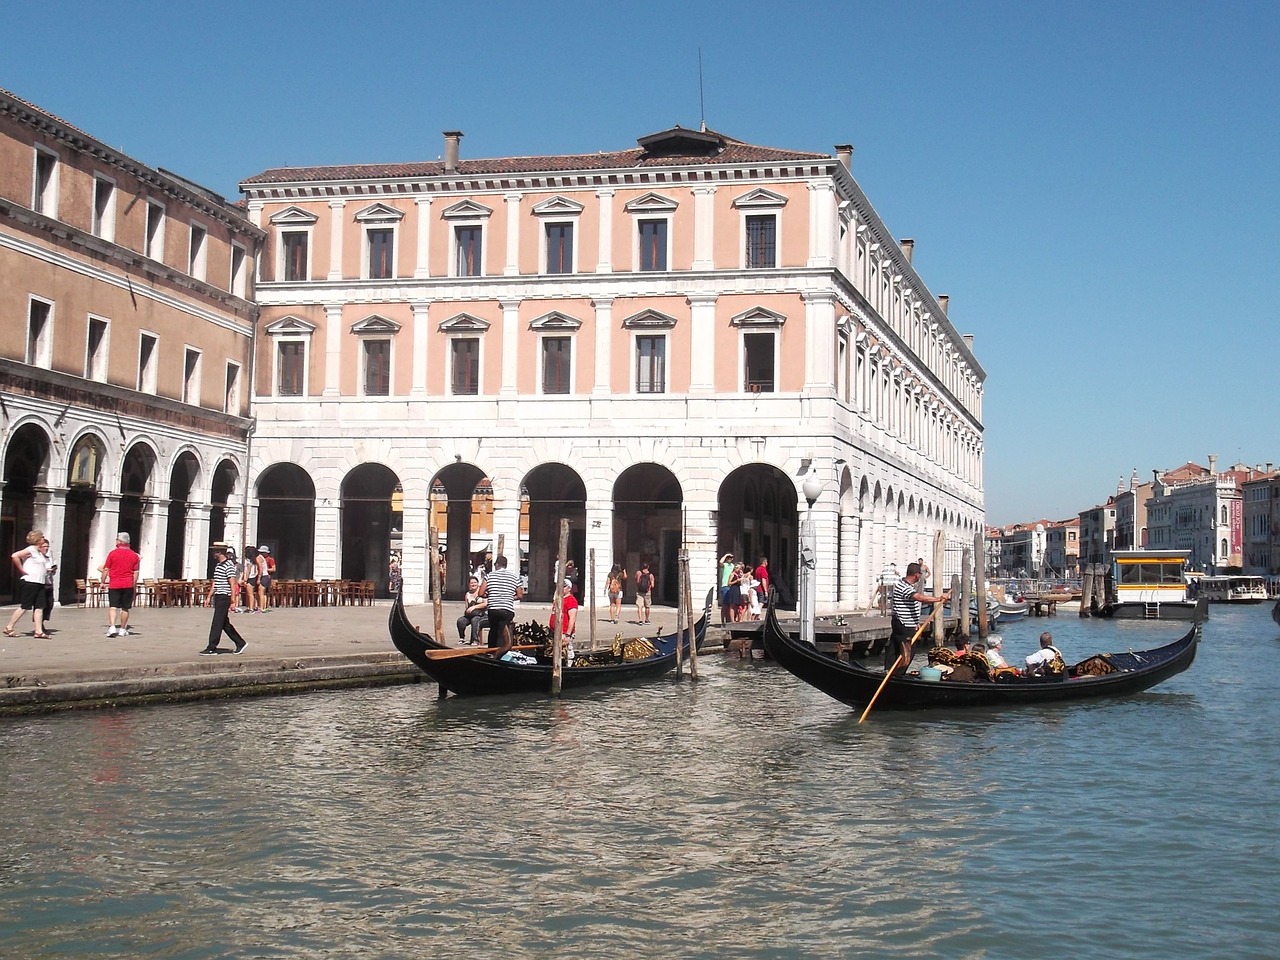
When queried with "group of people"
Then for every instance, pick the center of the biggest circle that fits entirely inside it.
(35, 585)
(743, 589)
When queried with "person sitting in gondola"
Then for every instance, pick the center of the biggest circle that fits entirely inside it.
(970, 666)
(994, 656)
(1047, 661)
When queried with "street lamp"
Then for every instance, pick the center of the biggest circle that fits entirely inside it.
(812, 489)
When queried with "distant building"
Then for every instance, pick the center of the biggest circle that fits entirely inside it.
(1261, 506)
(1201, 510)
(1097, 533)
(1062, 549)
(1131, 514)
(126, 353)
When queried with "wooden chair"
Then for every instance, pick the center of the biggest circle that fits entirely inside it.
(366, 592)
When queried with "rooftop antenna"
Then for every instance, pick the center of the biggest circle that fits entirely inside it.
(702, 107)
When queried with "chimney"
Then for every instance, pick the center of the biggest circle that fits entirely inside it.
(844, 153)
(1213, 464)
(451, 138)
(907, 247)
(943, 299)
(968, 340)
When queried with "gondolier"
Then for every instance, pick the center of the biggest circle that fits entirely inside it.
(906, 602)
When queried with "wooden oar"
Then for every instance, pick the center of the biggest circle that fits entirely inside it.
(937, 607)
(477, 651)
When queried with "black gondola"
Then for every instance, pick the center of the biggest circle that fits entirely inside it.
(482, 674)
(1275, 613)
(854, 684)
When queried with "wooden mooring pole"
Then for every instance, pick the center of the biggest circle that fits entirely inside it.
(557, 603)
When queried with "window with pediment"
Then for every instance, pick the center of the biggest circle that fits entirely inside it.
(760, 329)
(291, 339)
(380, 222)
(761, 211)
(559, 217)
(652, 214)
(555, 350)
(465, 335)
(650, 331)
(467, 220)
(375, 335)
(293, 227)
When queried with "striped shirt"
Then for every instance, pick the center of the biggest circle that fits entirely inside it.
(905, 609)
(500, 589)
(223, 574)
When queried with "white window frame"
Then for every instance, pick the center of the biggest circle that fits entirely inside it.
(649, 323)
(231, 397)
(238, 279)
(650, 206)
(103, 223)
(573, 362)
(95, 365)
(760, 202)
(467, 213)
(45, 202)
(290, 330)
(153, 247)
(39, 354)
(464, 326)
(294, 219)
(376, 328)
(544, 247)
(378, 216)
(759, 320)
(558, 211)
(147, 376)
(198, 256)
(191, 378)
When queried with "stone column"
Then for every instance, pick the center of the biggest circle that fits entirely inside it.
(152, 538)
(822, 233)
(421, 338)
(328, 549)
(336, 208)
(510, 342)
(604, 259)
(512, 268)
(819, 343)
(415, 576)
(195, 541)
(332, 349)
(50, 515)
(702, 343)
(422, 262)
(704, 218)
(604, 333)
(105, 526)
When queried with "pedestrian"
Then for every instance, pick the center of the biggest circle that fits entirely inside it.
(120, 571)
(726, 572)
(614, 584)
(644, 593)
(501, 589)
(249, 579)
(219, 597)
(762, 579)
(907, 598)
(50, 570)
(31, 563)
(266, 567)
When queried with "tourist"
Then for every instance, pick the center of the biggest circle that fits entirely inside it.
(644, 593)
(762, 579)
(50, 570)
(501, 589)
(735, 593)
(568, 620)
(906, 602)
(1047, 661)
(474, 610)
(249, 579)
(32, 563)
(266, 566)
(614, 584)
(726, 571)
(219, 597)
(120, 571)
(994, 656)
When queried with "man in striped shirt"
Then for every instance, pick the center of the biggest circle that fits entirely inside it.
(905, 602)
(502, 589)
(219, 595)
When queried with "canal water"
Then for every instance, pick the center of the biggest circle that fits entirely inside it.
(743, 816)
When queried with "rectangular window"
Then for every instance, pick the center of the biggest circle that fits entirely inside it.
(464, 357)
(153, 242)
(381, 266)
(759, 348)
(653, 244)
(44, 198)
(196, 257)
(294, 244)
(377, 368)
(559, 248)
(290, 356)
(238, 273)
(147, 363)
(651, 364)
(39, 322)
(191, 377)
(468, 242)
(231, 396)
(556, 354)
(762, 238)
(104, 208)
(95, 354)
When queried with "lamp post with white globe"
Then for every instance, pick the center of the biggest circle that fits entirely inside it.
(812, 489)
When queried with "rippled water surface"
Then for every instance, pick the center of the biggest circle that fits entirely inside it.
(746, 815)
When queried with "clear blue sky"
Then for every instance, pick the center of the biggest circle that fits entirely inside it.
(1093, 184)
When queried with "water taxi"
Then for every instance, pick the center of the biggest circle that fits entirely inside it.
(1232, 589)
(1150, 585)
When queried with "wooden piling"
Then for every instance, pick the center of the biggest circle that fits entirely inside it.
(960, 599)
(591, 579)
(939, 559)
(682, 561)
(690, 623)
(557, 602)
(1086, 591)
(980, 583)
(437, 605)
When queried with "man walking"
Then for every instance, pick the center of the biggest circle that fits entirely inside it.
(120, 570)
(501, 589)
(219, 595)
(644, 593)
(906, 602)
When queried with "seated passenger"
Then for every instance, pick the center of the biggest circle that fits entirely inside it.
(1047, 661)
(474, 613)
(994, 656)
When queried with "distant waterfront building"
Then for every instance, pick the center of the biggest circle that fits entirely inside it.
(1097, 533)
(125, 353)
(1198, 509)
(1131, 514)
(1062, 548)
(657, 344)
(1261, 499)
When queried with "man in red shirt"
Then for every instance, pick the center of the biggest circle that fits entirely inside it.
(120, 570)
(762, 574)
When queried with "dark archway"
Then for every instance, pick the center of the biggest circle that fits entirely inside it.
(84, 474)
(367, 492)
(554, 492)
(287, 519)
(26, 465)
(225, 478)
(186, 469)
(135, 486)
(758, 517)
(648, 524)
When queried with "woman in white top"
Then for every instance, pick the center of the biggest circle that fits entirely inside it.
(993, 653)
(33, 564)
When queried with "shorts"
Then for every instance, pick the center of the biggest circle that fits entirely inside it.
(615, 596)
(643, 600)
(265, 583)
(121, 598)
(31, 596)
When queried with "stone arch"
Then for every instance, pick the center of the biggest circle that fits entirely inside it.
(26, 467)
(367, 494)
(648, 525)
(549, 493)
(286, 498)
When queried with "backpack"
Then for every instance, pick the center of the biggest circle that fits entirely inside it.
(644, 582)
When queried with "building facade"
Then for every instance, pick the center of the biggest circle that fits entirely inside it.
(1261, 505)
(657, 344)
(125, 356)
